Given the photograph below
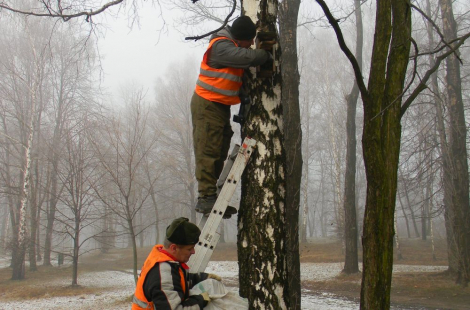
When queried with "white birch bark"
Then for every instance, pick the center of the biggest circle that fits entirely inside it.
(20, 251)
(262, 237)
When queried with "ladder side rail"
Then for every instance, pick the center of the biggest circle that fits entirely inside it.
(215, 217)
(227, 167)
(228, 189)
(209, 236)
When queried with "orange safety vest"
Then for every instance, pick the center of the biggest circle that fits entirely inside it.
(219, 85)
(140, 302)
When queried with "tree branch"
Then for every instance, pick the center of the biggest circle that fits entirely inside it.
(339, 35)
(218, 29)
(422, 85)
(433, 24)
(60, 14)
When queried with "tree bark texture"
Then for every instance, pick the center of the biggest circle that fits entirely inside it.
(261, 221)
(381, 145)
(288, 15)
(460, 214)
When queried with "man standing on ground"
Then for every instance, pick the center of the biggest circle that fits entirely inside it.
(217, 88)
(165, 281)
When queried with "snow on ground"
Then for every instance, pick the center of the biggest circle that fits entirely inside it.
(117, 286)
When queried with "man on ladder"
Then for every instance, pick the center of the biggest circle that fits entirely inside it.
(217, 88)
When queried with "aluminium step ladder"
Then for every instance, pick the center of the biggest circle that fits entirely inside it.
(228, 181)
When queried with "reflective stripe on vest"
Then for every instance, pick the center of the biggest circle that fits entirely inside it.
(219, 85)
(217, 90)
(140, 303)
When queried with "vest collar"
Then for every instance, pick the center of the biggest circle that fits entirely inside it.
(186, 267)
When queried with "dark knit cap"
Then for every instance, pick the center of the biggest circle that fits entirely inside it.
(182, 232)
(243, 29)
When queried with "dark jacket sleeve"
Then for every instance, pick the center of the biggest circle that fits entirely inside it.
(163, 287)
(224, 54)
(195, 278)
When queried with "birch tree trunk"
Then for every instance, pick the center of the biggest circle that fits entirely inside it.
(20, 244)
(18, 259)
(262, 216)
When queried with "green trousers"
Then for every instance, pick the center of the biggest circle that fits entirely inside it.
(212, 133)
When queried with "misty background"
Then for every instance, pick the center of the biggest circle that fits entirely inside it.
(112, 156)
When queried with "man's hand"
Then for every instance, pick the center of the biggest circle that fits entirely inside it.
(214, 276)
(206, 297)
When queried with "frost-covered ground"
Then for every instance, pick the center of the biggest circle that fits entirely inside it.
(117, 286)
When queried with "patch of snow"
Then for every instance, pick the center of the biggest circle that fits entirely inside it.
(116, 286)
(418, 268)
(326, 301)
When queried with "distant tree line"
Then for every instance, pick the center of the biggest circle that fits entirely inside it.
(79, 169)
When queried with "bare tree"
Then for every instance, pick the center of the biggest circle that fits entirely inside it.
(383, 108)
(26, 71)
(78, 174)
(70, 88)
(122, 147)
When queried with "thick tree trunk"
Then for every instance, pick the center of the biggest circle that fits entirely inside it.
(262, 216)
(288, 13)
(381, 145)
(460, 215)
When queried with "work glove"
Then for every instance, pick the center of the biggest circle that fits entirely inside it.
(206, 297)
(214, 276)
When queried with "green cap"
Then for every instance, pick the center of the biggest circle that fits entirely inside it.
(182, 232)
